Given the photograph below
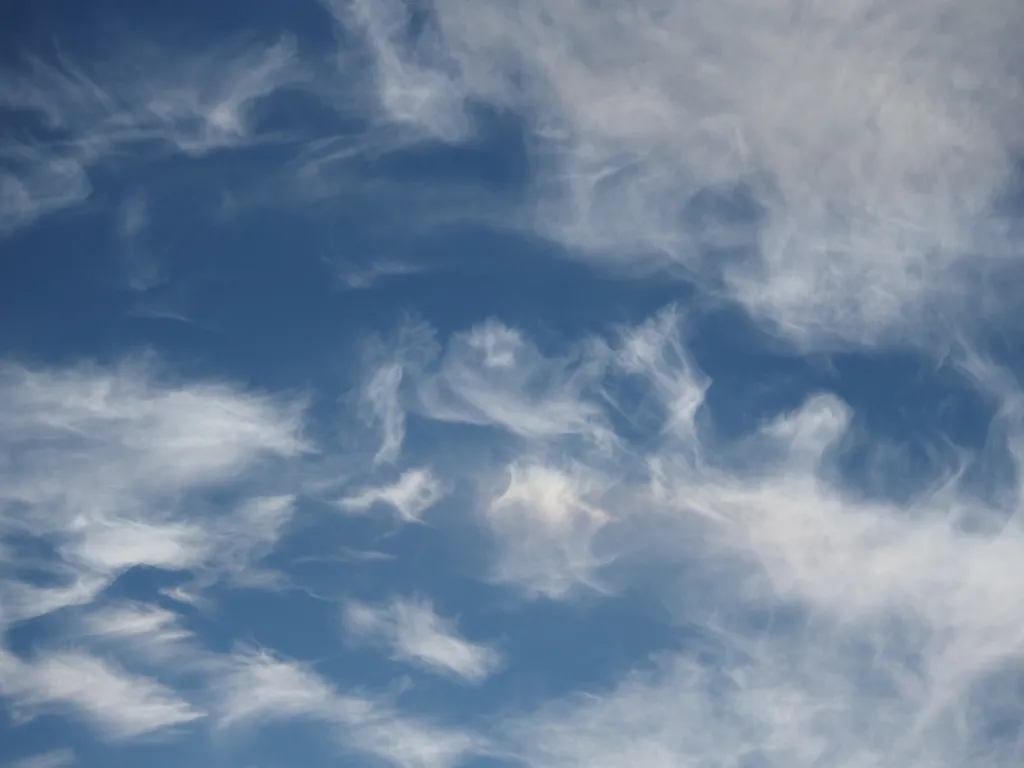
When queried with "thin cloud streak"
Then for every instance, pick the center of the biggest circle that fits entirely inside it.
(260, 688)
(54, 758)
(121, 704)
(414, 632)
(80, 117)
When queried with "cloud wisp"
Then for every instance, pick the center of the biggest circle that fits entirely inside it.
(121, 704)
(142, 99)
(414, 632)
(415, 491)
(834, 168)
(259, 687)
(54, 758)
(99, 464)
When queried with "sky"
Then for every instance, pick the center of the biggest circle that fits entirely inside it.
(512, 383)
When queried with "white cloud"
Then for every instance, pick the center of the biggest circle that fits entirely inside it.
(141, 96)
(363, 277)
(120, 544)
(121, 704)
(544, 523)
(415, 491)
(21, 600)
(250, 534)
(34, 185)
(142, 631)
(500, 344)
(260, 688)
(184, 596)
(54, 758)
(655, 350)
(99, 464)
(416, 633)
(142, 269)
(411, 744)
(173, 434)
(825, 700)
(382, 394)
(828, 626)
(869, 140)
(491, 376)
(547, 516)
(132, 619)
(417, 97)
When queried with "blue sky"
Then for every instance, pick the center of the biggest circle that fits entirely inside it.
(429, 383)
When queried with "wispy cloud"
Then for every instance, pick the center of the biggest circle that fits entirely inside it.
(833, 168)
(259, 687)
(832, 626)
(184, 596)
(141, 631)
(23, 600)
(34, 184)
(493, 376)
(99, 460)
(142, 96)
(132, 619)
(383, 392)
(544, 523)
(121, 704)
(142, 269)
(829, 168)
(383, 395)
(826, 699)
(103, 471)
(55, 758)
(362, 277)
(414, 632)
(656, 351)
(247, 536)
(416, 491)
(420, 98)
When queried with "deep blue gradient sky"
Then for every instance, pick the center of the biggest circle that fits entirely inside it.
(428, 383)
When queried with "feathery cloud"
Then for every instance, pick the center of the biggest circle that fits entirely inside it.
(97, 465)
(832, 626)
(141, 97)
(119, 703)
(834, 168)
(260, 688)
(414, 632)
(415, 491)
